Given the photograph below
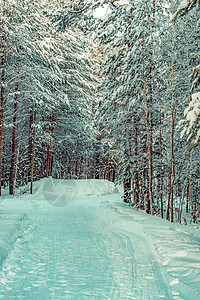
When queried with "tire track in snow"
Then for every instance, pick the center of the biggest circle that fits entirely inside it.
(77, 254)
(118, 252)
(71, 257)
(151, 277)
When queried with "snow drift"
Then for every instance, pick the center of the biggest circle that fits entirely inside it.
(10, 229)
(82, 187)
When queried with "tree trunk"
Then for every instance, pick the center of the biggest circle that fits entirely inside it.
(113, 176)
(190, 184)
(30, 141)
(3, 60)
(33, 153)
(143, 182)
(136, 171)
(12, 163)
(17, 158)
(127, 189)
(151, 113)
(187, 198)
(51, 148)
(131, 162)
(197, 200)
(172, 127)
(60, 170)
(47, 161)
(198, 210)
(189, 96)
(168, 202)
(148, 135)
(161, 171)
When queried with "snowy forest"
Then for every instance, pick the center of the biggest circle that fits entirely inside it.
(111, 97)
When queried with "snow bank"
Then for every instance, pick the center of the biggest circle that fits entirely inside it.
(9, 231)
(174, 249)
(13, 220)
(95, 187)
(81, 187)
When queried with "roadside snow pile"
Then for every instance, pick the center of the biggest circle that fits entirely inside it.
(95, 187)
(83, 187)
(174, 249)
(13, 221)
(9, 231)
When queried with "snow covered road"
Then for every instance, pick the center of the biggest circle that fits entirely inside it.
(94, 248)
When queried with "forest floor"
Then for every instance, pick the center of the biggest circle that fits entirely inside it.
(77, 240)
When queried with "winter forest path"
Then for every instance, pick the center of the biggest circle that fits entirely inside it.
(82, 251)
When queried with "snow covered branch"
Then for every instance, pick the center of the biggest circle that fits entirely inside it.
(191, 123)
(195, 77)
(184, 7)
